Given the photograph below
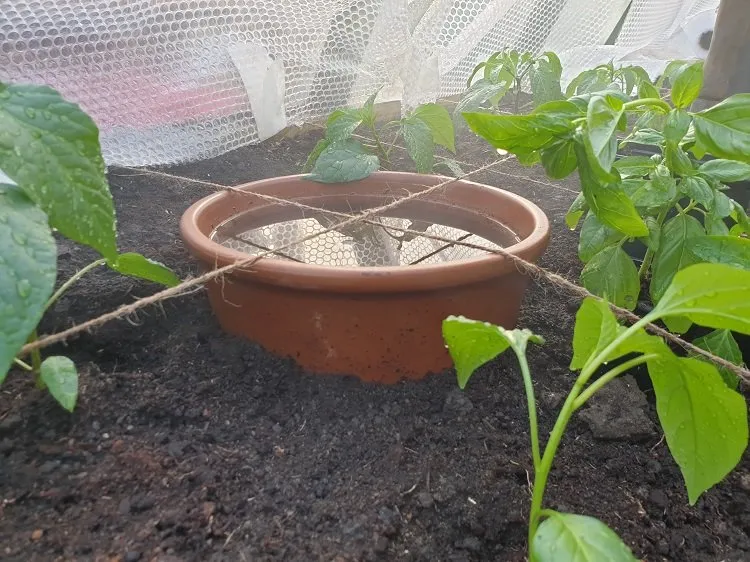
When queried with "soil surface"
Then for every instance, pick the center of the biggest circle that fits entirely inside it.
(190, 445)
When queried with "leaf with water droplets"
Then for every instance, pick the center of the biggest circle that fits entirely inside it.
(50, 148)
(567, 537)
(28, 266)
(60, 376)
(704, 421)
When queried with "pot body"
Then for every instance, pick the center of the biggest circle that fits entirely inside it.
(381, 324)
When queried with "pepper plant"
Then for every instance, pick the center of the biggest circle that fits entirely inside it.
(628, 79)
(673, 202)
(507, 71)
(704, 421)
(49, 148)
(339, 157)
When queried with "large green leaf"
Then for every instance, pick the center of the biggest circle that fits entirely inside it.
(722, 344)
(519, 133)
(609, 203)
(687, 84)
(60, 376)
(724, 129)
(319, 147)
(136, 265)
(440, 123)
(594, 237)
(595, 328)
(50, 148)
(646, 90)
(612, 275)
(482, 92)
(342, 123)
(419, 143)
(704, 421)
(28, 266)
(727, 171)
(730, 250)
(472, 343)
(545, 79)
(673, 254)
(698, 189)
(635, 166)
(343, 161)
(676, 125)
(566, 537)
(559, 159)
(710, 294)
(602, 120)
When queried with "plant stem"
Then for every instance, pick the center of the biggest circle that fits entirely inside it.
(569, 407)
(531, 404)
(70, 282)
(597, 385)
(648, 258)
(22, 364)
(379, 144)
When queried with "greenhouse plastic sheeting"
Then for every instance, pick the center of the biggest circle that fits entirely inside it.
(175, 80)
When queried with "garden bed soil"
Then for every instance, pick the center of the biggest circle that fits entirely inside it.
(190, 445)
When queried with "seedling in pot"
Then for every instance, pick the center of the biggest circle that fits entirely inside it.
(339, 157)
(632, 198)
(50, 150)
(704, 420)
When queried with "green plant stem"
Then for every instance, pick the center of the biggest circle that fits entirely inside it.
(613, 373)
(649, 257)
(531, 404)
(542, 475)
(70, 282)
(379, 144)
(25, 366)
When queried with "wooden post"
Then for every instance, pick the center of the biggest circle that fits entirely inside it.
(727, 69)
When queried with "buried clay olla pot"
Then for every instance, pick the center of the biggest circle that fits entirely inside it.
(357, 300)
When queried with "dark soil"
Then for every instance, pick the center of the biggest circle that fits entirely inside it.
(189, 445)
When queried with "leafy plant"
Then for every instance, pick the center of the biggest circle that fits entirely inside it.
(673, 202)
(507, 71)
(50, 150)
(704, 421)
(340, 158)
(628, 79)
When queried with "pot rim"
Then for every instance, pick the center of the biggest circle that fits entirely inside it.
(364, 279)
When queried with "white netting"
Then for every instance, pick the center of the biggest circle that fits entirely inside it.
(176, 80)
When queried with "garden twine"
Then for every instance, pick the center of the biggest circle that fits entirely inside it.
(529, 268)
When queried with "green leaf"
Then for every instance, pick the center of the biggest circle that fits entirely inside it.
(710, 294)
(698, 189)
(419, 143)
(677, 124)
(726, 171)
(612, 275)
(594, 237)
(451, 165)
(50, 148)
(519, 133)
(715, 225)
(722, 205)
(677, 160)
(740, 217)
(610, 204)
(136, 265)
(722, 344)
(576, 211)
(602, 119)
(566, 537)
(649, 137)
(595, 328)
(724, 129)
(440, 123)
(545, 79)
(673, 254)
(28, 267)
(482, 92)
(646, 90)
(368, 110)
(472, 343)
(687, 84)
(320, 146)
(704, 421)
(729, 250)
(60, 376)
(635, 166)
(343, 161)
(342, 123)
(559, 159)
(654, 234)
(672, 70)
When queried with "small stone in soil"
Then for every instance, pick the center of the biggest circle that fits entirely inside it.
(659, 499)
(132, 556)
(37, 534)
(618, 412)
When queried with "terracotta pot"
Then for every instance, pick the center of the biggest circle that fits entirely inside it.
(378, 323)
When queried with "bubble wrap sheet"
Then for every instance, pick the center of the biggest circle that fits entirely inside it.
(176, 80)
